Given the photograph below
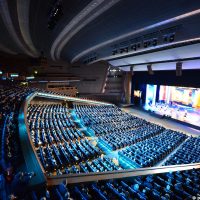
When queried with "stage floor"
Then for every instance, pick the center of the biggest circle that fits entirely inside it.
(167, 123)
(179, 112)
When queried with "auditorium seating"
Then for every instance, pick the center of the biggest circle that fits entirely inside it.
(67, 154)
(99, 165)
(173, 185)
(107, 119)
(59, 144)
(63, 148)
(51, 123)
(121, 139)
(149, 152)
(10, 101)
(189, 152)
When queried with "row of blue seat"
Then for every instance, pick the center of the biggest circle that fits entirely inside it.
(99, 165)
(174, 185)
(10, 101)
(167, 186)
(151, 151)
(189, 152)
(66, 154)
(107, 119)
(118, 140)
(50, 130)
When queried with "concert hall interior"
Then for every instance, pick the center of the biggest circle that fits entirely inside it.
(99, 100)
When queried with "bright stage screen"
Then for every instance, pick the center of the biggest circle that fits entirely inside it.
(150, 94)
(184, 96)
(181, 103)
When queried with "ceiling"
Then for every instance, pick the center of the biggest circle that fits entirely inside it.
(93, 28)
(189, 52)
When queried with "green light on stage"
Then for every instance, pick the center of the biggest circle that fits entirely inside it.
(1, 72)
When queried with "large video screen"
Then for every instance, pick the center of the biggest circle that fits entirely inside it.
(189, 97)
(150, 94)
(180, 103)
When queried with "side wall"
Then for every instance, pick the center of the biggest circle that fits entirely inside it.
(92, 77)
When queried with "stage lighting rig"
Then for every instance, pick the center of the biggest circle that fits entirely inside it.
(55, 14)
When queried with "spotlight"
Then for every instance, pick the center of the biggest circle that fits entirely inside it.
(138, 45)
(134, 47)
(165, 38)
(155, 42)
(114, 52)
(126, 49)
(122, 50)
(171, 37)
(145, 44)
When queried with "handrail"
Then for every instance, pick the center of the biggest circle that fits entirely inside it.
(89, 177)
(31, 159)
(71, 99)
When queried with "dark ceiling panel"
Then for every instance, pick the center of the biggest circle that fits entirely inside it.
(124, 17)
(5, 38)
(42, 36)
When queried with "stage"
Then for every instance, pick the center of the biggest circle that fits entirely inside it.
(178, 112)
(166, 122)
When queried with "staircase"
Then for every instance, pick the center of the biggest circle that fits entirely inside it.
(114, 82)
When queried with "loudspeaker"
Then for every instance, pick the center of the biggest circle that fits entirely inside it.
(179, 69)
(150, 71)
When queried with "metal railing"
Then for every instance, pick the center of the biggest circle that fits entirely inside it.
(89, 177)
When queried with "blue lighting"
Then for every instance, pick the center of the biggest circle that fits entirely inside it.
(126, 164)
(104, 147)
